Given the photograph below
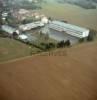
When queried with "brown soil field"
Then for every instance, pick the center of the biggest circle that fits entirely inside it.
(72, 76)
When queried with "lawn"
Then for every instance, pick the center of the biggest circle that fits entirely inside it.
(11, 49)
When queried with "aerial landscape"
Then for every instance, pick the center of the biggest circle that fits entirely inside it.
(48, 49)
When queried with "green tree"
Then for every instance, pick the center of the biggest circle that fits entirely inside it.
(92, 35)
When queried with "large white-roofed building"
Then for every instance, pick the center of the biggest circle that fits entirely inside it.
(70, 29)
(9, 30)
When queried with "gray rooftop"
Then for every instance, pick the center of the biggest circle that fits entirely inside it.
(8, 29)
(70, 26)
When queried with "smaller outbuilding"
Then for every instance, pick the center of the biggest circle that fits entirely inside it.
(29, 26)
(44, 20)
(22, 37)
(27, 38)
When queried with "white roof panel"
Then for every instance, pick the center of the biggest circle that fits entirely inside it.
(23, 37)
(8, 29)
(70, 26)
(73, 30)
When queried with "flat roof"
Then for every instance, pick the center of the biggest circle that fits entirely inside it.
(31, 25)
(8, 29)
(69, 26)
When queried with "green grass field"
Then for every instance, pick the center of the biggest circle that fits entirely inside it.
(11, 49)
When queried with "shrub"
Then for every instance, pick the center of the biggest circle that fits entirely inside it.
(92, 35)
(62, 44)
(81, 40)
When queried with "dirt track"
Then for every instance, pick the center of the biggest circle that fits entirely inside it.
(69, 77)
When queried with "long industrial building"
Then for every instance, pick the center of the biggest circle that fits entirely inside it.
(70, 29)
(29, 26)
(9, 30)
